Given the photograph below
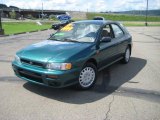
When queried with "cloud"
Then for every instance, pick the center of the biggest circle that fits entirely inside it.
(124, 5)
(83, 5)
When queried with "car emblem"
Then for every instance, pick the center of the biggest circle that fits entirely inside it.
(30, 62)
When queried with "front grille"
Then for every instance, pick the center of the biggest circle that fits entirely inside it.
(30, 75)
(32, 62)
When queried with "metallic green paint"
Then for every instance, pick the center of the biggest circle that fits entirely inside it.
(76, 53)
(52, 51)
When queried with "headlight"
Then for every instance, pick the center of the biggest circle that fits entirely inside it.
(17, 59)
(59, 66)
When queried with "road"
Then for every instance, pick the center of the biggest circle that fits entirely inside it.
(122, 92)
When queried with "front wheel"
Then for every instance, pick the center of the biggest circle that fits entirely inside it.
(126, 56)
(87, 76)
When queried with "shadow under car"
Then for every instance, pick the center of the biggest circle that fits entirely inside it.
(109, 80)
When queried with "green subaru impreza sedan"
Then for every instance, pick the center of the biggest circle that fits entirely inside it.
(74, 54)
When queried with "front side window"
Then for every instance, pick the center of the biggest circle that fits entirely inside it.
(77, 32)
(117, 31)
(106, 32)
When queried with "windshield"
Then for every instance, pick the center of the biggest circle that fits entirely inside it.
(77, 32)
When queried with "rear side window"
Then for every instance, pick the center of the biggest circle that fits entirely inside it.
(124, 28)
(117, 31)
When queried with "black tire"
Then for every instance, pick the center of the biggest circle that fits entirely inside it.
(89, 66)
(126, 57)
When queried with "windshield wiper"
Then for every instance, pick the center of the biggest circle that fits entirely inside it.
(70, 40)
(54, 39)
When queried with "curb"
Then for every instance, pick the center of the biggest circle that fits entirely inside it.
(24, 32)
(19, 33)
(4, 35)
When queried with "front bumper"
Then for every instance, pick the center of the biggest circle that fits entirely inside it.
(52, 78)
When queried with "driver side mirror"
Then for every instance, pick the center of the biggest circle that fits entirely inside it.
(106, 39)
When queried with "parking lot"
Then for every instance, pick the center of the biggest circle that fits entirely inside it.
(122, 92)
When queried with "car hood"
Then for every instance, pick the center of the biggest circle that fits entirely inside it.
(54, 51)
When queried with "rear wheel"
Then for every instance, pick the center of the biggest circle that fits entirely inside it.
(126, 56)
(87, 76)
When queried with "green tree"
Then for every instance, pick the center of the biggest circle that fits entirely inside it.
(52, 17)
(29, 16)
(12, 14)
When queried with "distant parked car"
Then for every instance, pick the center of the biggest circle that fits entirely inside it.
(98, 18)
(74, 54)
(61, 24)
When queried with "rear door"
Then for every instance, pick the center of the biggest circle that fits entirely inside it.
(119, 37)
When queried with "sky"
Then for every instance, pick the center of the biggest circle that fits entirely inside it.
(84, 5)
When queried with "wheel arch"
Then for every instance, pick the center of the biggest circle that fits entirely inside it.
(92, 60)
(130, 47)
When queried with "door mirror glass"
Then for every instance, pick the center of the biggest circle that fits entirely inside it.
(106, 39)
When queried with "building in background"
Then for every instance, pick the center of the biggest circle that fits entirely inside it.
(27, 13)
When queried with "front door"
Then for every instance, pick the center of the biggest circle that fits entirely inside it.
(107, 50)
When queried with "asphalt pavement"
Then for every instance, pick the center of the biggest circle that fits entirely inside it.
(122, 92)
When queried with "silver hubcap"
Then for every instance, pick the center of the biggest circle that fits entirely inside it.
(87, 77)
(127, 55)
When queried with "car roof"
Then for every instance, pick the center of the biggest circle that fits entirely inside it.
(99, 22)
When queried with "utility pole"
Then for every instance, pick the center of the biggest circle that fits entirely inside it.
(42, 10)
(146, 14)
(1, 30)
(20, 16)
